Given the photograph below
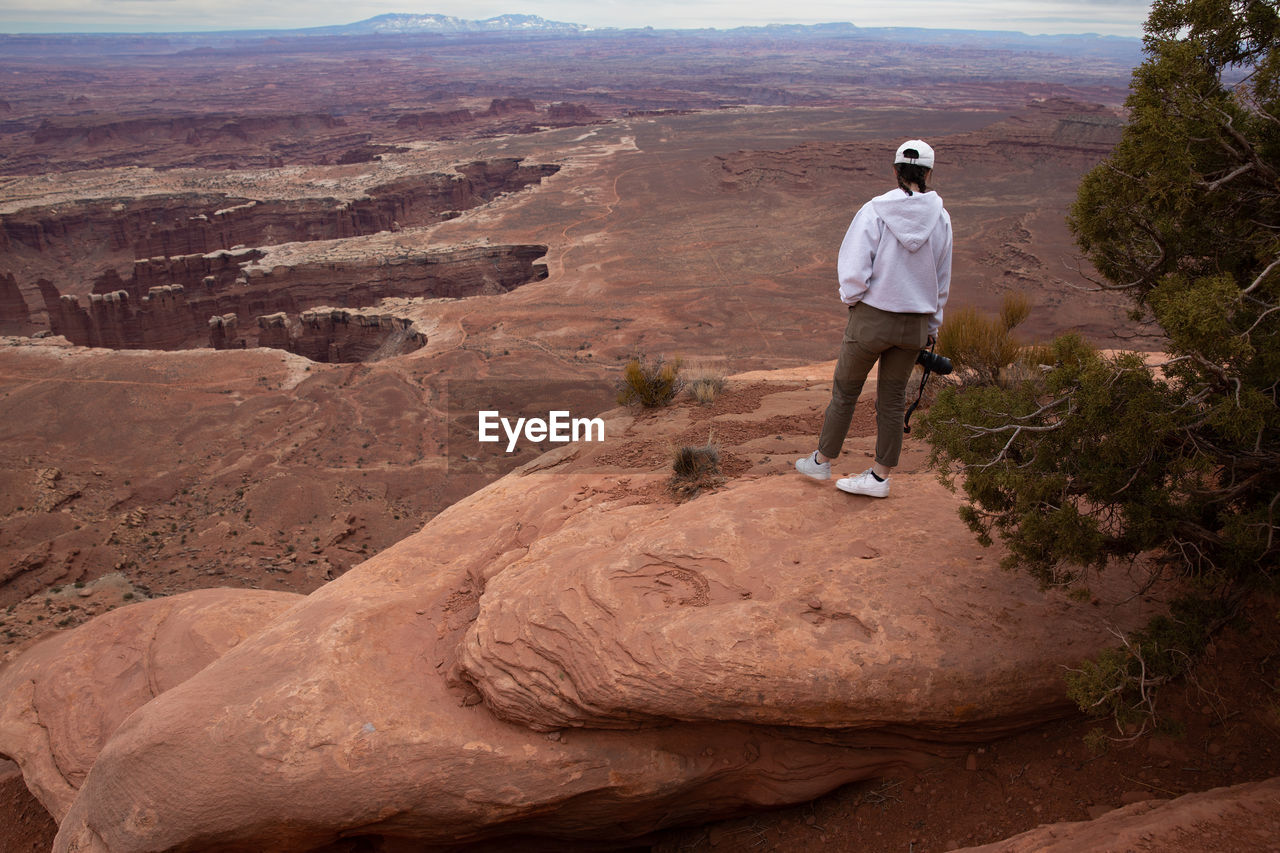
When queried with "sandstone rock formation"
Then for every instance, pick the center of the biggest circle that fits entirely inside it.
(673, 662)
(1242, 817)
(349, 715)
(569, 113)
(331, 335)
(66, 695)
(754, 605)
(216, 270)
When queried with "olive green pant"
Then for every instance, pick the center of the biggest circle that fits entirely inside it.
(872, 335)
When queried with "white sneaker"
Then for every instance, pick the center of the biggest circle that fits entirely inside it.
(811, 467)
(864, 484)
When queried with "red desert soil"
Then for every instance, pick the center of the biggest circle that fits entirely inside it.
(26, 826)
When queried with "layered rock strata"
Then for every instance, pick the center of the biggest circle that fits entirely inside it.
(188, 238)
(746, 607)
(180, 317)
(54, 719)
(185, 224)
(332, 335)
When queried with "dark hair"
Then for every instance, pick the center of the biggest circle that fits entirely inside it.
(911, 173)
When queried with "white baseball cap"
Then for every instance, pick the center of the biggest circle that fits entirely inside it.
(915, 151)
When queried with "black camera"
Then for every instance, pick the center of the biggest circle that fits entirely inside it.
(934, 363)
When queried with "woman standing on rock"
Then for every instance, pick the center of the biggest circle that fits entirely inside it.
(895, 274)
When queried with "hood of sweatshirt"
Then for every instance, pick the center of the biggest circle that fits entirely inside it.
(911, 218)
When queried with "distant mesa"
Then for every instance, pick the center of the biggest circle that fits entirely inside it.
(96, 130)
(435, 121)
(103, 138)
(508, 106)
(567, 112)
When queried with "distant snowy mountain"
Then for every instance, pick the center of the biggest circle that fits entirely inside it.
(404, 23)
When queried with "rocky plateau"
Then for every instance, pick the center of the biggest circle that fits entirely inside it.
(567, 652)
(262, 590)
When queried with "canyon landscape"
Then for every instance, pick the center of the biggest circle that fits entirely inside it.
(260, 588)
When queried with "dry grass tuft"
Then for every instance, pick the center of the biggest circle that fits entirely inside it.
(695, 468)
(650, 383)
(984, 347)
(705, 389)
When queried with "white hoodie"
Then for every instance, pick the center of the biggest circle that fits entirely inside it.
(896, 255)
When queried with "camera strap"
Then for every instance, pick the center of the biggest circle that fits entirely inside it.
(906, 421)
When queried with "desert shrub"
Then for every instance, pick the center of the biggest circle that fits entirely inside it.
(1122, 683)
(1067, 469)
(1096, 741)
(695, 468)
(984, 348)
(1015, 308)
(705, 389)
(650, 383)
(1101, 459)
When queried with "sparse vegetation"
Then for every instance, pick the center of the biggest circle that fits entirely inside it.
(1122, 682)
(705, 389)
(984, 348)
(651, 384)
(695, 468)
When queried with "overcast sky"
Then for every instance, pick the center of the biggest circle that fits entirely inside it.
(1107, 17)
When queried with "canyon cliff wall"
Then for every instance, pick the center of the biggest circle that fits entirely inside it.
(332, 335)
(223, 312)
(172, 239)
(14, 314)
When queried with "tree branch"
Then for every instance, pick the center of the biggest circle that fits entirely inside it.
(1215, 185)
(1257, 281)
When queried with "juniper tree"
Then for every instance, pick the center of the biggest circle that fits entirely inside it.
(1105, 458)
